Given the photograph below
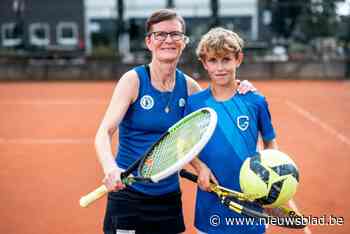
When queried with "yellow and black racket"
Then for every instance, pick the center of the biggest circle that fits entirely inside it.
(241, 203)
(175, 148)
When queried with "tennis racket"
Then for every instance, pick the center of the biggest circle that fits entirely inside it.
(243, 204)
(175, 148)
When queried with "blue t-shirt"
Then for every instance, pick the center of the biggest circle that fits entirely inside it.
(145, 121)
(240, 120)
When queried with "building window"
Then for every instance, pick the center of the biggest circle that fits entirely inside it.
(39, 34)
(67, 34)
(11, 35)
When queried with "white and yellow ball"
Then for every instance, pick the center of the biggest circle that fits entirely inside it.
(271, 177)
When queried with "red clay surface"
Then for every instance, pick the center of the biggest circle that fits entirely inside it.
(48, 159)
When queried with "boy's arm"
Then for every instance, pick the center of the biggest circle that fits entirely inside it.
(205, 175)
(272, 144)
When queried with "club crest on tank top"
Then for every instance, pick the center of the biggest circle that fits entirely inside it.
(182, 102)
(147, 102)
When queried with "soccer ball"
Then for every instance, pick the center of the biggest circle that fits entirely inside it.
(270, 177)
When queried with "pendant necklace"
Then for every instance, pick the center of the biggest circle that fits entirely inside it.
(167, 109)
(167, 106)
(170, 96)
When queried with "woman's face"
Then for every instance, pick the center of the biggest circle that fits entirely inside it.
(166, 41)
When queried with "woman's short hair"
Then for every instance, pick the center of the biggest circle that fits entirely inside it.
(163, 15)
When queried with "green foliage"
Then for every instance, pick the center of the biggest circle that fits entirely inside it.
(304, 19)
(102, 51)
(343, 33)
(319, 19)
(285, 14)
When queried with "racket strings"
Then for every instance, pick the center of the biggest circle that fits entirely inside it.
(175, 145)
(160, 157)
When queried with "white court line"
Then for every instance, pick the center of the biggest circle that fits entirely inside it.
(53, 102)
(318, 122)
(325, 127)
(47, 141)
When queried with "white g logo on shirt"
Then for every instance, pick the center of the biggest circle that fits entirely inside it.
(243, 122)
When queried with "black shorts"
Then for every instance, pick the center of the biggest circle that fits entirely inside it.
(131, 210)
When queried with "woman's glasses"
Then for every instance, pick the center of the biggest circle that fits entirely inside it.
(175, 35)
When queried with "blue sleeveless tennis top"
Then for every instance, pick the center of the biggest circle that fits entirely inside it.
(240, 121)
(146, 120)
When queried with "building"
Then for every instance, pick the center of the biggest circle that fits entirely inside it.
(247, 17)
(41, 25)
(73, 25)
(240, 15)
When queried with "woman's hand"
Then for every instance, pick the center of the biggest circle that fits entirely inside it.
(245, 86)
(112, 180)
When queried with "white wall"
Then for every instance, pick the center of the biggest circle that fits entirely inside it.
(100, 8)
(238, 7)
(197, 8)
(242, 8)
(186, 8)
(142, 8)
(227, 7)
(193, 8)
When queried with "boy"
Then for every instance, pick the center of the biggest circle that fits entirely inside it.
(241, 118)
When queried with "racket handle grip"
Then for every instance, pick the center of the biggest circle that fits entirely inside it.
(93, 196)
(188, 175)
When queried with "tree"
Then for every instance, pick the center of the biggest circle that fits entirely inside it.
(309, 18)
(285, 14)
(344, 37)
(319, 19)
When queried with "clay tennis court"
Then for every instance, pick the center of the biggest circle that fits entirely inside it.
(48, 159)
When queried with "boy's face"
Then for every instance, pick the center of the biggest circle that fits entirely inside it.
(222, 67)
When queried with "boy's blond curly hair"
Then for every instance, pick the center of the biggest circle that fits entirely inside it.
(219, 41)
